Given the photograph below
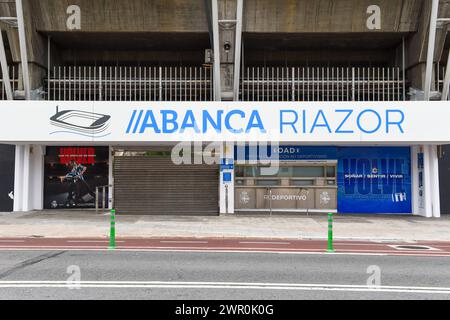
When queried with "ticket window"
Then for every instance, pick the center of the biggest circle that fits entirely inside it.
(295, 175)
(293, 186)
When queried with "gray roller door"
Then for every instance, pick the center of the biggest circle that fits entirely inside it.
(155, 186)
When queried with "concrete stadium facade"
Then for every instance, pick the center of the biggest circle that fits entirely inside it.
(346, 76)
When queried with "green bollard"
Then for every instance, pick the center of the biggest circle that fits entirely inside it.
(112, 230)
(330, 233)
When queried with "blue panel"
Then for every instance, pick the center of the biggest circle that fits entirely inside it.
(374, 180)
(226, 176)
(285, 153)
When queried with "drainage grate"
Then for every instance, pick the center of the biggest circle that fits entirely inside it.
(413, 247)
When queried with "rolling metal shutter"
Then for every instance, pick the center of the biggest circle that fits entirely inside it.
(156, 186)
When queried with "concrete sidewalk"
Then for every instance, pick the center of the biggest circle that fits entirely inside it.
(89, 224)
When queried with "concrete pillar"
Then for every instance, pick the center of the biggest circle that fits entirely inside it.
(226, 20)
(36, 191)
(415, 180)
(26, 178)
(434, 176)
(427, 205)
(226, 187)
(110, 177)
(29, 178)
(428, 208)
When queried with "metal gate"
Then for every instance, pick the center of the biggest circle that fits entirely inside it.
(149, 185)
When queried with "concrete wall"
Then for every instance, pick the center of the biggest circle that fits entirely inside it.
(123, 16)
(329, 15)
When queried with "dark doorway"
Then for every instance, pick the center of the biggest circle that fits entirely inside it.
(444, 179)
(7, 155)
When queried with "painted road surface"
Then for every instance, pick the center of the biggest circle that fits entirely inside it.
(422, 248)
(128, 274)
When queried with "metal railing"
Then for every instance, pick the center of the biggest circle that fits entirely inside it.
(13, 78)
(118, 83)
(322, 84)
(437, 82)
(104, 203)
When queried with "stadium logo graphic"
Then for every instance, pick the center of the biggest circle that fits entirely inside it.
(80, 122)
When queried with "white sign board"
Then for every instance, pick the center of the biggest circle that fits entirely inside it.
(315, 122)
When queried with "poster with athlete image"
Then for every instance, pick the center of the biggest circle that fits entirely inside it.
(72, 175)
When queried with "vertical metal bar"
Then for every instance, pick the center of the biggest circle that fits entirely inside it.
(430, 51)
(96, 199)
(322, 91)
(48, 63)
(84, 83)
(64, 83)
(353, 84)
(328, 83)
(445, 87)
(388, 84)
(120, 84)
(161, 84)
(216, 49)
(253, 83)
(23, 49)
(237, 46)
(404, 68)
(103, 197)
(79, 83)
(115, 83)
(59, 83)
(393, 83)
(293, 83)
(100, 78)
(307, 84)
(378, 84)
(190, 83)
(373, 83)
(195, 84)
(70, 83)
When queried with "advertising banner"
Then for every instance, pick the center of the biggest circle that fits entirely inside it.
(285, 152)
(72, 174)
(325, 122)
(374, 180)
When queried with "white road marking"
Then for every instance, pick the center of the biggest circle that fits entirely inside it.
(91, 241)
(182, 241)
(233, 250)
(263, 242)
(422, 247)
(223, 285)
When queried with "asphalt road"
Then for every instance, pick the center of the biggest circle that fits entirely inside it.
(217, 275)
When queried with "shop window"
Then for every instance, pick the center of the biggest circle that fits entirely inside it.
(302, 182)
(331, 172)
(267, 182)
(309, 172)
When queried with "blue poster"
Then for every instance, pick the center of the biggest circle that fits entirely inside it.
(284, 152)
(374, 180)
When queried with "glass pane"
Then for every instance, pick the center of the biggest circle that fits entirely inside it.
(308, 172)
(267, 182)
(285, 172)
(239, 172)
(302, 182)
(331, 182)
(239, 182)
(250, 171)
(331, 171)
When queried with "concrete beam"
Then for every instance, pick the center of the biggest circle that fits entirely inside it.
(124, 16)
(329, 15)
